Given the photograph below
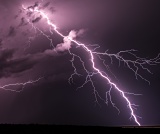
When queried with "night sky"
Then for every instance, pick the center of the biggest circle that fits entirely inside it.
(26, 54)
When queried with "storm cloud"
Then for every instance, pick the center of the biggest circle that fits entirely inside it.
(1, 42)
(12, 31)
(37, 19)
(9, 66)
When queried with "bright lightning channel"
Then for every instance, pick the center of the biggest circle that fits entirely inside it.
(92, 60)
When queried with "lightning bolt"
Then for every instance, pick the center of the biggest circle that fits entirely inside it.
(22, 85)
(92, 61)
(133, 65)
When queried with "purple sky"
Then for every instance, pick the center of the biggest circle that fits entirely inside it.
(114, 25)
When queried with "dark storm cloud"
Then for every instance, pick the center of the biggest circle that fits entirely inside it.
(9, 66)
(36, 4)
(1, 42)
(23, 22)
(52, 9)
(18, 14)
(46, 4)
(37, 19)
(29, 14)
(20, 65)
(12, 31)
(5, 55)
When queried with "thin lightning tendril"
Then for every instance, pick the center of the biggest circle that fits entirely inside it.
(7, 87)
